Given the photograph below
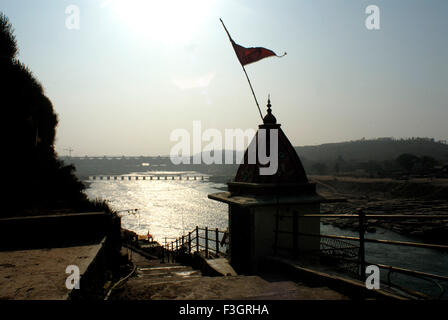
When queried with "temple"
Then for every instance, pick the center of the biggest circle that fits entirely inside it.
(265, 210)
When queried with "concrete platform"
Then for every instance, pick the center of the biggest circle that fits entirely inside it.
(152, 283)
(222, 266)
(39, 274)
(311, 272)
(226, 288)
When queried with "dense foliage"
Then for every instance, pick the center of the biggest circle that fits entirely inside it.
(377, 157)
(35, 179)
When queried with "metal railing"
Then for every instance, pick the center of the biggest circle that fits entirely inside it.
(212, 242)
(361, 254)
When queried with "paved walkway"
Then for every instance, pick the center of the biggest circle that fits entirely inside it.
(155, 281)
(40, 274)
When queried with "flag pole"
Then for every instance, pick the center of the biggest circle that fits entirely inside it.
(253, 93)
(244, 69)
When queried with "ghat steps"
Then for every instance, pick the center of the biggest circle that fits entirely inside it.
(165, 281)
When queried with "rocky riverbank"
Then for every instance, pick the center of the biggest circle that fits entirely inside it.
(381, 196)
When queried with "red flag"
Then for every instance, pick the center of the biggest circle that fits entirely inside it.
(249, 55)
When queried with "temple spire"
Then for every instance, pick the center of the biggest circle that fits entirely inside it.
(269, 118)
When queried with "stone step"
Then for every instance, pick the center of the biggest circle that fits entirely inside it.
(165, 279)
(161, 268)
(156, 264)
(222, 288)
(178, 273)
(153, 272)
(170, 281)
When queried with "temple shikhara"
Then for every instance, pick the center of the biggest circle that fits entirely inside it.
(264, 210)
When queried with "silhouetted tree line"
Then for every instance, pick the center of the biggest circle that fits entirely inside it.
(381, 149)
(412, 163)
(34, 179)
(405, 163)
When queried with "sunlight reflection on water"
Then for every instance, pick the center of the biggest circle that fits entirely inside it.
(172, 208)
(166, 208)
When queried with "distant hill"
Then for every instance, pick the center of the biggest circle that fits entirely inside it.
(371, 156)
(380, 149)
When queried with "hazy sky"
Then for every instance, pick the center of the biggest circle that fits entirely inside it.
(138, 69)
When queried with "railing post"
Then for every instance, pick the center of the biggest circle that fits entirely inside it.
(276, 230)
(217, 242)
(295, 233)
(362, 252)
(206, 242)
(182, 244)
(197, 239)
(189, 242)
(167, 252)
(163, 252)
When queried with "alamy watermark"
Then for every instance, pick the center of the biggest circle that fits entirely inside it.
(263, 148)
(72, 281)
(73, 19)
(373, 19)
(373, 280)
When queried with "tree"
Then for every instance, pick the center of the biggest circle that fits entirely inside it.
(407, 161)
(374, 168)
(319, 168)
(427, 163)
(36, 178)
(8, 43)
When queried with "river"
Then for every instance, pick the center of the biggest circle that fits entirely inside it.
(171, 208)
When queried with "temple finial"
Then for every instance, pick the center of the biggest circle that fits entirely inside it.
(269, 118)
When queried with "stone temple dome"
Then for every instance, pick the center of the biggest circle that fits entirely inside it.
(264, 208)
(290, 170)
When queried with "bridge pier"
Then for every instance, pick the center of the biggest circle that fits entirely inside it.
(159, 177)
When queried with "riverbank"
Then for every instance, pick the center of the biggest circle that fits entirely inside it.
(387, 196)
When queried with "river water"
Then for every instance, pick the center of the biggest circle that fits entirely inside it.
(171, 208)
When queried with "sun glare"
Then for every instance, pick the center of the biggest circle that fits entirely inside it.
(170, 21)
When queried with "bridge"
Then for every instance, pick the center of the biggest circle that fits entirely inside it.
(118, 158)
(150, 177)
